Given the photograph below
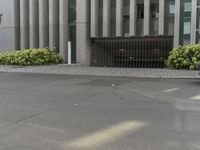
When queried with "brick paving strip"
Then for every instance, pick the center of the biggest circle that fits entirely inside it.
(100, 71)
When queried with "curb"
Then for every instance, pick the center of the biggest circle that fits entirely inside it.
(101, 72)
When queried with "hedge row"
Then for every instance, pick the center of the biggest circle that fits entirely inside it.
(184, 57)
(30, 57)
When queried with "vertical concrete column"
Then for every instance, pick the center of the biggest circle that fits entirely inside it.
(16, 8)
(43, 23)
(34, 23)
(119, 17)
(106, 17)
(63, 15)
(177, 23)
(24, 24)
(94, 29)
(194, 22)
(161, 17)
(83, 32)
(54, 24)
(147, 5)
(133, 17)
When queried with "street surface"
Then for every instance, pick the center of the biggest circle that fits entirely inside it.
(62, 112)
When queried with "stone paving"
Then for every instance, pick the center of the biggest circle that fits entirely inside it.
(99, 71)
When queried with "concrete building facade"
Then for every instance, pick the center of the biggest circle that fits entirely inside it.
(89, 23)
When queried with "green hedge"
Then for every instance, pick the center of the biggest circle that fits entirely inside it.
(30, 57)
(184, 57)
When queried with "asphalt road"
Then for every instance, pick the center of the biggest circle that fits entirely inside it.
(59, 112)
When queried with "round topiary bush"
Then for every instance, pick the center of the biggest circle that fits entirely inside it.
(184, 57)
(30, 57)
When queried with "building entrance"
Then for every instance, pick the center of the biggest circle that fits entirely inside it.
(133, 52)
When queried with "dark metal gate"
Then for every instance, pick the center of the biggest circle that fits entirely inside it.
(134, 52)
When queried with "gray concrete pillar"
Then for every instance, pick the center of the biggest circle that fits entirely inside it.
(34, 23)
(133, 17)
(119, 17)
(161, 17)
(194, 22)
(94, 18)
(16, 8)
(106, 17)
(147, 5)
(54, 24)
(63, 15)
(43, 23)
(177, 23)
(24, 24)
(83, 32)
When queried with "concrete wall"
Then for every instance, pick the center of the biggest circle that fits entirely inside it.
(26, 23)
(44, 23)
(7, 25)
(83, 32)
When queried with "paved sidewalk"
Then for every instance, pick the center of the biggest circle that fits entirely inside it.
(98, 71)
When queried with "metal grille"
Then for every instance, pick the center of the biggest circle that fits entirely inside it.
(136, 52)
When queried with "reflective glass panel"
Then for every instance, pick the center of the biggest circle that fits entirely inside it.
(169, 17)
(185, 22)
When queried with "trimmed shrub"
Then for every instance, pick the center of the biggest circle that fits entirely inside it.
(184, 57)
(30, 57)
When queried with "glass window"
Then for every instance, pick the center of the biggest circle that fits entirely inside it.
(72, 28)
(154, 17)
(171, 6)
(187, 7)
(100, 17)
(140, 18)
(113, 18)
(185, 22)
(126, 17)
(140, 11)
(169, 17)
(187, 27)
